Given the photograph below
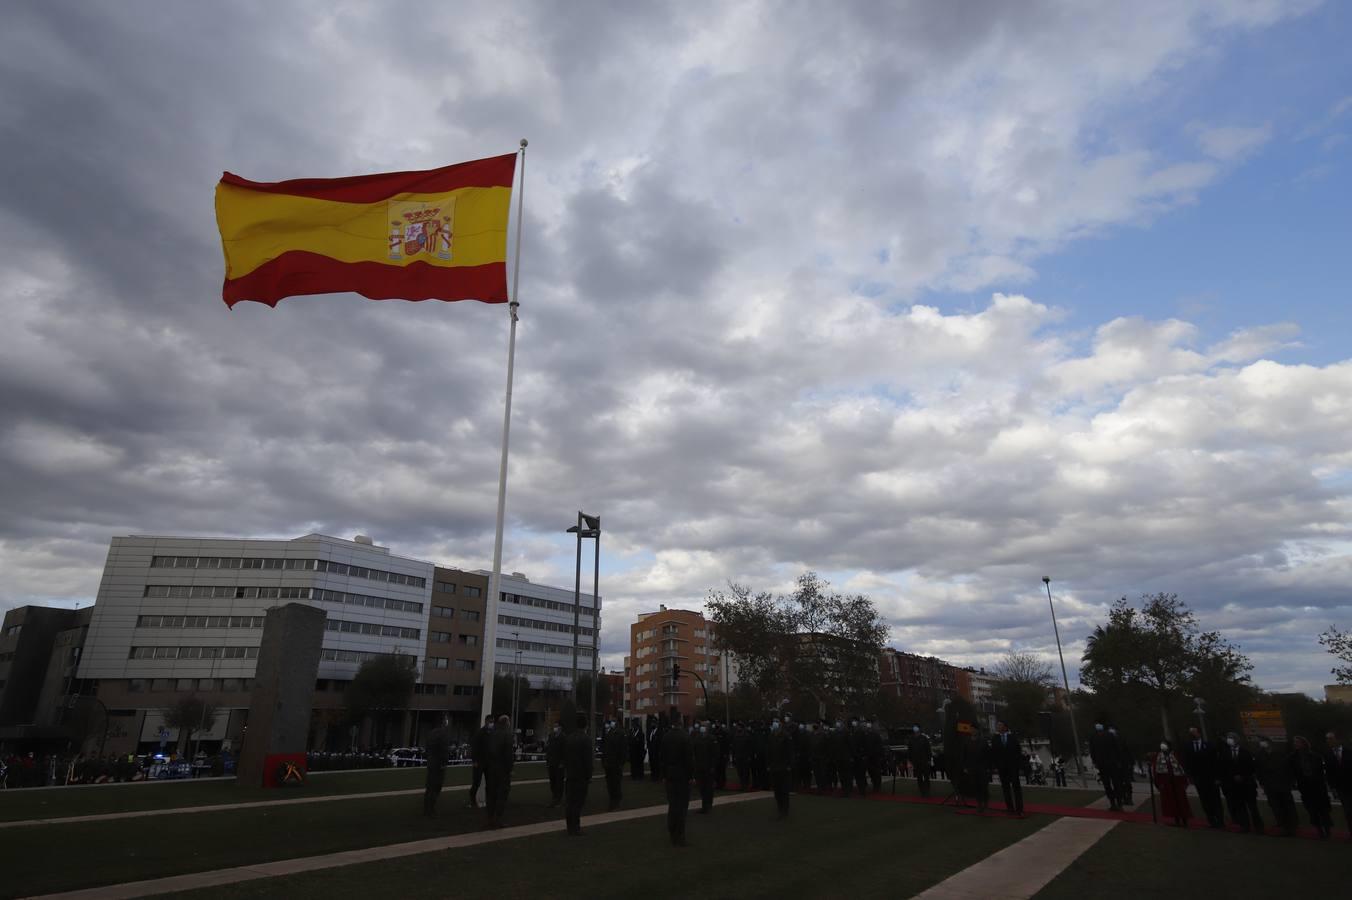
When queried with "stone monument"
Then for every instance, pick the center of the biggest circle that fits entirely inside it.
(283, 692)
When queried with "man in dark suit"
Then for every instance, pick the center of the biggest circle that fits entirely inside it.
(1007, 758)
(1338, 769)
(677, 764)
(1239, 783)
(478, 752)
(438, 748)
(704, 752)
(578, 765)
(637, 751)
(1106, 754)
(779, 765)
(498, 761)
(1199, 762)
(919, 751)
(613, 748)
(554, 764)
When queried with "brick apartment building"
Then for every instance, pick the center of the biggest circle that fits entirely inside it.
(660, 640)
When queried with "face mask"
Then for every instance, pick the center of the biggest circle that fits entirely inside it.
(840, 724)
(1263, 745)
(774, 726)
(915, 729)
(703, 730)
(1098, 727)
(1164, 747)
(1112, 731)
(1230, 741)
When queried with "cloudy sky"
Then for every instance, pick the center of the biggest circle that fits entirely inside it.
(932, 298)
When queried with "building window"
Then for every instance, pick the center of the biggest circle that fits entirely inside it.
(439, 637)
(469, 615)
(186, 684)
(446, 587)
(136, 685)
(472, 591)
(307, 565)
(446, 612)
(159, 684)
(469, 640)
(465, 665)
(466, 690)
(230, 684)
(438, 662)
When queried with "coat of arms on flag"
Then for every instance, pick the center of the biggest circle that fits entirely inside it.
(421, 228)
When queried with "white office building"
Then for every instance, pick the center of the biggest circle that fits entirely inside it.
(535, 633)
(173, 608)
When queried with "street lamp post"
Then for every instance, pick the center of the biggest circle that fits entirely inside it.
(1065, 680)
(516, 674)
(587, 527)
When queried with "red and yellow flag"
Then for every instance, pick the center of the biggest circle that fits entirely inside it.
(439, 234)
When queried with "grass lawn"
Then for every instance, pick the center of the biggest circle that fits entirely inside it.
(46, 858)
(90, 800)
(1154, 861)
(829, 848)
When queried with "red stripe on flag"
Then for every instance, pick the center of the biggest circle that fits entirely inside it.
(298, 272)
(496, 171)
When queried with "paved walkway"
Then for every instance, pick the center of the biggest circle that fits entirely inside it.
(1022, 869)
(198, 880)
(254, 804)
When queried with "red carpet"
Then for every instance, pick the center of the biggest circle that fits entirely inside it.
(940, 796)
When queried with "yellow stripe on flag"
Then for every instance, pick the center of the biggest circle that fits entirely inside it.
(257, 227)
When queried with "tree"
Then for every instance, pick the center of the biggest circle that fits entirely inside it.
(189, 714)
(380, 689)
(814, 641)
(583, 695)
(1339, 643)
(503, 683)
(1023, 684)
(1158, 654)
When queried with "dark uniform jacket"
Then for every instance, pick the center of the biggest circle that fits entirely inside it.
(554, 750)
(578, 759)
(614, 748)
(1199, 764)
(779, 752)
(498, 753)
(1339, 773)
(919, 751)
(678, 760)
(1105, 751)
(704, 754)
(478, 745)
(438, 748)
(1237, 768)
(1006, 757)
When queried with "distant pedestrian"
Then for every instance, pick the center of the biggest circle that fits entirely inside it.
(1007, 757)
(554, 764)
(1275, 777)
(1200, 762)
(637, 750)
(779, 765)
(1239, 783)
(920, 753)
(704, 752)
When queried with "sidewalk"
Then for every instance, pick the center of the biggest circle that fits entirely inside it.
(253, 804)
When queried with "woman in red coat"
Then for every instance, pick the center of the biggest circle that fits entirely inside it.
(1172, 784)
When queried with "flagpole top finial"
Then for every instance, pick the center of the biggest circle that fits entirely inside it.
(523, 143)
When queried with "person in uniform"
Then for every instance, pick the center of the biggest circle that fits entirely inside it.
(1199, 761)
(1125, 770)
(741, 755)
(919, 751)
(721, 738)
(478, 752)
(554, 764)
(577, 771)
(1308, 770)
(613, 749)
(779, 752)
(677, 764)
(760, 743)
(1275, 777)
(656, 732)
(498, 762)
(1239, 783)
(874, 751)
(802, 755)
(637, 750)
(704, 753)
(821, 766)
(1007, 758)
(438, 748)
(1338, 770)
(858, 757)
(838, 749)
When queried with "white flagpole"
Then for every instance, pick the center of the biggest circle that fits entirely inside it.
(490, 645)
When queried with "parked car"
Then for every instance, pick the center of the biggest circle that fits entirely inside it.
(408, 756)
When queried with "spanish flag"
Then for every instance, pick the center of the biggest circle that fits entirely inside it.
(439, 234)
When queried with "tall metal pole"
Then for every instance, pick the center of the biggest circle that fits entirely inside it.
(1070, 707)
(596, 624)
(494, 582)
(516, 673)
(577, 600)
